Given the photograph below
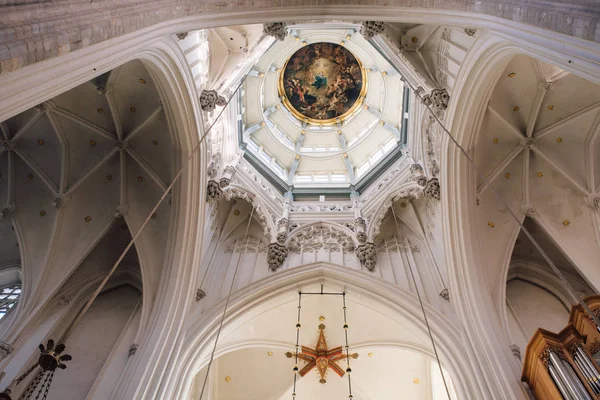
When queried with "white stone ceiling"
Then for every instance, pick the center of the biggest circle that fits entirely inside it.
(68, 167)
(538, 145)
(314, 155)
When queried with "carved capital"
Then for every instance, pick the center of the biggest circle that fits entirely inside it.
(367, 255)
(276, 29)
(432, 189)
(230, 169)
(224, 182)
(360, 221)
(276, 255)
(370, 29)
(440, 99)
(200, 294)
(470, 32)
(283, 222)
(213, 191)
(210, 99)
(361, 237)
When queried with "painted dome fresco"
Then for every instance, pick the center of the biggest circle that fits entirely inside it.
(322, 82)
(322, 108)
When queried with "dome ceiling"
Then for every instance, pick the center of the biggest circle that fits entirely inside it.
(322, 107)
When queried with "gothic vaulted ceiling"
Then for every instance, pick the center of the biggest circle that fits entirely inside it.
(78, 174)
(538, 146)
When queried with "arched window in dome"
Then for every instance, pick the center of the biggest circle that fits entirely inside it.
(9, 295)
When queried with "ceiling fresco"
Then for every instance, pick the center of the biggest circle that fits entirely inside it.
(322, 83)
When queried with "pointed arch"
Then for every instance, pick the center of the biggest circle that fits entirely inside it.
(261, 210)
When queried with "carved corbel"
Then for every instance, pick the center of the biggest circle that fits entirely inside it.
(278, 30)
(367, 255)
(210, 99)
(370, 29)
(276, 255)
(432, 189)
(213, 191)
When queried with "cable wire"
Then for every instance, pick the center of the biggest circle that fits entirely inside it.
(237, 265)
(186, 163)
(412, 274)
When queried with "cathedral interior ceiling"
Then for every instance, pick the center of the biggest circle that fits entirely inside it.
(538, 146)
(89, 164)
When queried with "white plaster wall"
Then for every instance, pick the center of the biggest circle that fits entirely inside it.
(92, 341)
(534, 308)
(114, 366)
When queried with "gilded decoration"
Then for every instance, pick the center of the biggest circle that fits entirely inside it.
(322, 83)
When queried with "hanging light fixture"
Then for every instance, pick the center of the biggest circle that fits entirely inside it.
(50, 359)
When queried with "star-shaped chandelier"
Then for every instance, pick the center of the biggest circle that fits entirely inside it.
(321, 357)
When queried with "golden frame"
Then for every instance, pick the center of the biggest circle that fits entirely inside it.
(301, 117)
